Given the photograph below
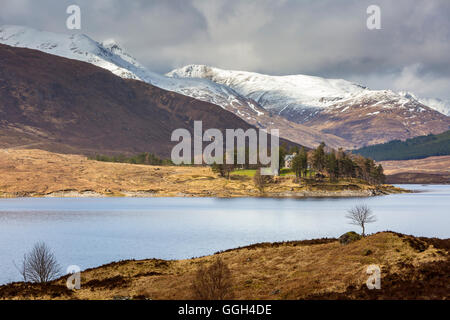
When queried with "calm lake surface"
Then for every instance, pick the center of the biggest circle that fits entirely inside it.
(89, 232)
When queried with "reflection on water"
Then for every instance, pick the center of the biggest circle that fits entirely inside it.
(91, 232)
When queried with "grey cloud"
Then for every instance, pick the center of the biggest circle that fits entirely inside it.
(320, 37)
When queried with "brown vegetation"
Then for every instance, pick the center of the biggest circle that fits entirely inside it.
(292, 270)
(41, 173)
(213, 282)
(261, 181)
(433, 170)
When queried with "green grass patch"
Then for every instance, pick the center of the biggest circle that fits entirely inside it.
(286, 172)
(244, 172)
(251, 172)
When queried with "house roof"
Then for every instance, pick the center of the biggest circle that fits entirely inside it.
(289, 157)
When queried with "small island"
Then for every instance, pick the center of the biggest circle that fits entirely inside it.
(38, 173)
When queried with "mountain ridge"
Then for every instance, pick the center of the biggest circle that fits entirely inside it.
(306, 109)
(110, 56)
(335, 106)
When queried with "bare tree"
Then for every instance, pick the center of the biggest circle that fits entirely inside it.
(39, 265)
(213, 283)
(260, 180)
(361, 215)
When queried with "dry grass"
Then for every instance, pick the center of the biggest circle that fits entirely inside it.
(42, 173)
(293, 270)
(434, 165)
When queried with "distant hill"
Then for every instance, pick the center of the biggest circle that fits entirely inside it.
(415, 148)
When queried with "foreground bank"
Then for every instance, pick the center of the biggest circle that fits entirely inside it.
(37, 173)
(411, 268)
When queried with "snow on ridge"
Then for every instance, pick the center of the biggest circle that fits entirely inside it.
(76, 46)
(277, 92)
(111, 56)
(303, 95)
(300, 95)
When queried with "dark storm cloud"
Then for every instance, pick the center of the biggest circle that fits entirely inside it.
(320, 37)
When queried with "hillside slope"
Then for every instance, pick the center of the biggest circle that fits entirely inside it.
(441, 105)
(415, 148)
(64, 105)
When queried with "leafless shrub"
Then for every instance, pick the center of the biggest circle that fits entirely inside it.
(213, 283)
(39, 265)
(260, 180)
(361, 215)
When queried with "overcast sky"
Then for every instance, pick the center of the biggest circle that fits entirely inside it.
(327, 38)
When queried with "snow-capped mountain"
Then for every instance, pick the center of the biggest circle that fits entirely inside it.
(297, 96)
(281, 94)
(109, 55)
(335, 106)
(305, 109)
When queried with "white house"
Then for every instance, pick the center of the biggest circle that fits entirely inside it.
(288, 160)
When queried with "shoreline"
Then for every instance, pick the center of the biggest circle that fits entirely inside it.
(304, 194)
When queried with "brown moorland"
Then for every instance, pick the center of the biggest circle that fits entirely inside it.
(42, 173)
(434, 170)
(412, 268)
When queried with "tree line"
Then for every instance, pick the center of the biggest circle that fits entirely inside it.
(335, 164)
(415, 148)
(142, 158)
